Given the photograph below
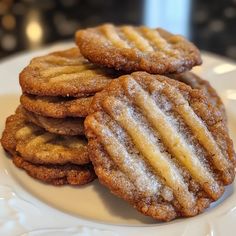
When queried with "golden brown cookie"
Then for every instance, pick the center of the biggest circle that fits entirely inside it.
(130, 48)
(65, 126)
(13, 124)
(196, 82)
(56, 107)
(65, 73)
(57, 174)
(38, 146)
(160, 145)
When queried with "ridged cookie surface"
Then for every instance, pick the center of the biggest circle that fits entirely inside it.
(36, 145)
(160, 145)
(195, 82)
(64, 73)
(130, 48)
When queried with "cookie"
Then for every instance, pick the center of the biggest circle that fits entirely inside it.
(56, 107)
(65, 73)
(196, 82)
(13, 124)
(38, 146)
(57, 174)
(130, 48)
(66, 126)
(159, 145)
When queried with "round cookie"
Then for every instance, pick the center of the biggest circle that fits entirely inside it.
(159, 145)
(56, 107)
(66, 126)
(130, 48)
(57, 174)
(65, 73)
(38, 146)
(196, 82)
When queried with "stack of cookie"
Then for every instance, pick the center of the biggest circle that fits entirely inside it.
(156, 138)
(46, 135)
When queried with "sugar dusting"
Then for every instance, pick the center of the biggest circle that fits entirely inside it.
(177, 122)
(135, 167)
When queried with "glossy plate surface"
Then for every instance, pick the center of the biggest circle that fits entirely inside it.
(28, 207)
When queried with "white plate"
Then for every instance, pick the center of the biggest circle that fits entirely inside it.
(28, 207)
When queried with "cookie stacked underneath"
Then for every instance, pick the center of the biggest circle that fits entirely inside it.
(46, 135)
(52, 158)
(156, 138)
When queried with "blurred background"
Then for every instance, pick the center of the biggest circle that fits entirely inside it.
(30, 24)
